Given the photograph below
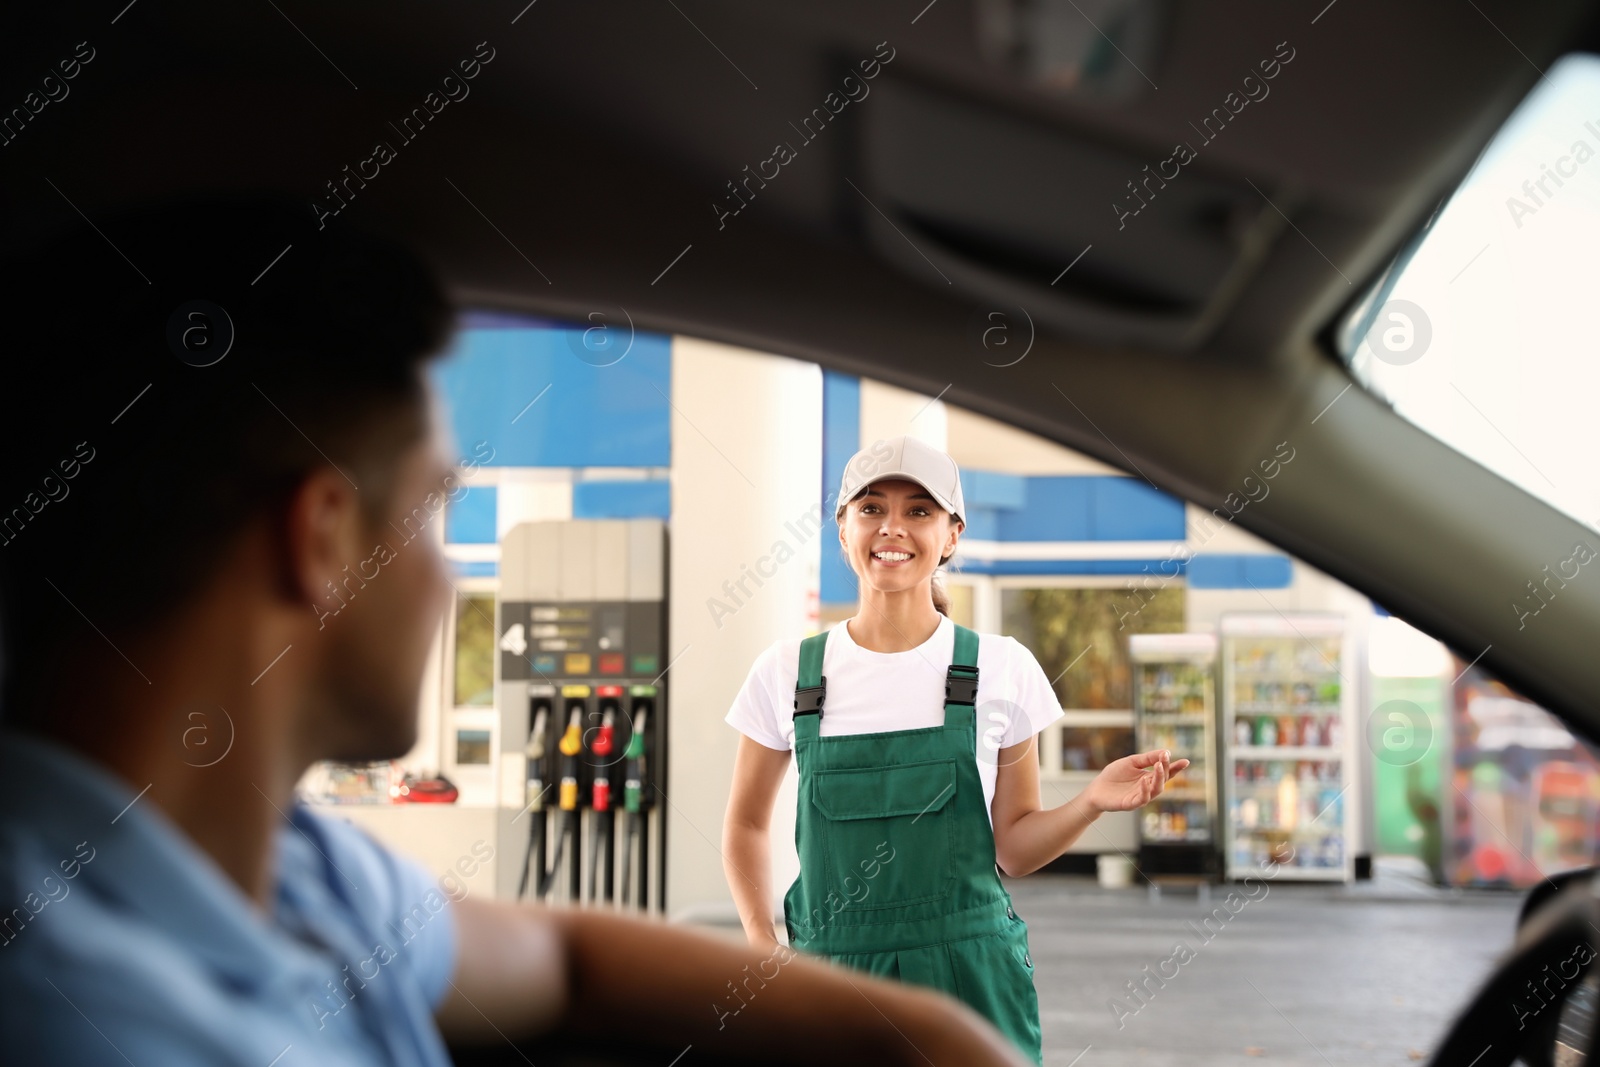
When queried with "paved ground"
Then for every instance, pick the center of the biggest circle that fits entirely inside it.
(1312, 975)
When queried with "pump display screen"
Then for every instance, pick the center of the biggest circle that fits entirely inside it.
(550, 642)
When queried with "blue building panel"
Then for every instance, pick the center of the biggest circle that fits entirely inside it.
(1055, 509)
(841, 439)
(1240, 571)
(1268, 572)
(983, 524)
(1093, 508)
(525, 391)
(993, 490)
(645, 499)
(1160, 568)
(470, 518)
(1130, 509)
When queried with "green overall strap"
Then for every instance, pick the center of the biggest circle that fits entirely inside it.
(961, 683)
(809, 688)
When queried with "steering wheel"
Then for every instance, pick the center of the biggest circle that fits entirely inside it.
(1517, 1011)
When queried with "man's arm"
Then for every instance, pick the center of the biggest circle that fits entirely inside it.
(526, 971)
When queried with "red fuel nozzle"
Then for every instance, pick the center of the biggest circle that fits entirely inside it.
(605, 737)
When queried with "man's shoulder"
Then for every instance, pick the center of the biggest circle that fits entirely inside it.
(80, 976)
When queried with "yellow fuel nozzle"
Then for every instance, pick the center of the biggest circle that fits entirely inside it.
(572, 740)
(571, 744)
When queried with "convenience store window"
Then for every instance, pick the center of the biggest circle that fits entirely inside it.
(1079, 634)
(468, 723)
(473, 657)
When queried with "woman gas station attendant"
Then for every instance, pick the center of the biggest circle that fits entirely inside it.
(907, 811)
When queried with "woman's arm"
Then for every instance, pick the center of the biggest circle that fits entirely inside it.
(1027, 835)
(746, 837)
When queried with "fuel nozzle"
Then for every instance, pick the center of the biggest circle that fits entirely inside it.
(571, 744)
(535, 753)
(633, 755)
(603, 745)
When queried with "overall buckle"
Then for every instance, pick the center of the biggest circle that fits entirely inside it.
(808, 699)
(960, 688)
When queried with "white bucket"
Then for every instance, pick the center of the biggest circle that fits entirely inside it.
(1116, 872)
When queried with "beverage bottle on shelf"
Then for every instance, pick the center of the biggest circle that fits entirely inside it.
(1335, 732)
(1242, 734)
(1243, 851)
(1266, 731)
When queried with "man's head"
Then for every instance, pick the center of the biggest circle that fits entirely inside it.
(211, 395)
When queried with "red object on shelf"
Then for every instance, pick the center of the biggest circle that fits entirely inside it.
(440, 790)
(611, 663)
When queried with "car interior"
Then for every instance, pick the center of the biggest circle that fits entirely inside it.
(1174, 310)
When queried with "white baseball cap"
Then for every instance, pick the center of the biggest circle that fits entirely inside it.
(908, 458)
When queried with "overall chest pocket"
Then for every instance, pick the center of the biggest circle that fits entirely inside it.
(888, 832)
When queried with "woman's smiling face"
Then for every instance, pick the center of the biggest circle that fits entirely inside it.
(895, 534)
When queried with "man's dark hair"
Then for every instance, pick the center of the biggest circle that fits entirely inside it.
(169, 378)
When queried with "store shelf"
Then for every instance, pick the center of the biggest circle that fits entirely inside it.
(1300, 832)
(1188, 837)
(1290, 675)
(1292, 871)
(1283, 707)
(1285, 752)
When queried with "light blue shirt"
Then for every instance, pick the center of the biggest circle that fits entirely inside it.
(122, 942)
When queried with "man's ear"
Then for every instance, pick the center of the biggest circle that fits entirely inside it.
(322, 533)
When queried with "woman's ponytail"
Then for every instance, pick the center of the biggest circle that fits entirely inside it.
(941, 599)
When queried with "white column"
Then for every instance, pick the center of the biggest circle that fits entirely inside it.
(889, 411)
(746, 478)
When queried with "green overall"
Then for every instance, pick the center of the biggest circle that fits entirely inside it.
(897, 865)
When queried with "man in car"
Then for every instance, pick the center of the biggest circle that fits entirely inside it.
(218, 565)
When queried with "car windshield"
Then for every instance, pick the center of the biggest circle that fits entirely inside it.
(1482, 331)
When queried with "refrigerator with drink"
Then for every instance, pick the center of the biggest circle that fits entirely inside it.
(1174, 695)
(1287, 698)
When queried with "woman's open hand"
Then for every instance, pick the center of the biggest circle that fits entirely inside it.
(1132, 781)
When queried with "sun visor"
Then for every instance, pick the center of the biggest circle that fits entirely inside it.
(1099, 242)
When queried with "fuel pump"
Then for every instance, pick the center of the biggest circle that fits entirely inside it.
(582, 619)
(601, 817)
(539, 714)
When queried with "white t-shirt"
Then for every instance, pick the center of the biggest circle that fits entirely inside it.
(871, 691)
